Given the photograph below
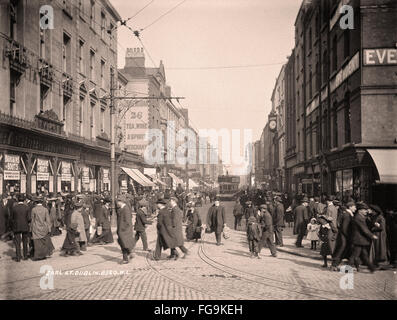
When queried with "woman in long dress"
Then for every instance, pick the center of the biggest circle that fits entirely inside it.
(193, 227)
(41, 230)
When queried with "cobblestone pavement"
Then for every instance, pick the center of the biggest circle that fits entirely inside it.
(209, 272)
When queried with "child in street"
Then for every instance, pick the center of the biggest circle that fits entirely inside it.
(312, 233)
(327, 235)
(254, 234)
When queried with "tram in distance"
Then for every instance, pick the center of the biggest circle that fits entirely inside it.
(228, 187)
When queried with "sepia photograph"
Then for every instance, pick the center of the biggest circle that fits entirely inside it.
(196, 154)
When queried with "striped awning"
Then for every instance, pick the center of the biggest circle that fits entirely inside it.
(175, 178)
(139, 177)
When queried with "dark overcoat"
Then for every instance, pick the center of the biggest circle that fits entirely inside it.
(177, 217)
(301, 217)
(278, 217)
(4, 214)
(20, 218)
(361, 235)
(193, 221)
(141, 220)
(103, 217)
(216, 219)
(345, 233)
(379, 246)
(124, 228)
(165, 230)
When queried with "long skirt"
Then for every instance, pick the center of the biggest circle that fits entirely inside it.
(43, 247)
(191, 233)
(106, 237)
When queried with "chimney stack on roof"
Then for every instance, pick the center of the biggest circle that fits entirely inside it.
(135, 58)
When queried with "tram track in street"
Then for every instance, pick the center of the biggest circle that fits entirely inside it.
(277, 284)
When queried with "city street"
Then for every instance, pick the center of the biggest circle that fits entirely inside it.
(209, 272)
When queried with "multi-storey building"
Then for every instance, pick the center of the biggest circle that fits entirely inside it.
(290, 123)
(278, 107)
(140, 116)
(346, 100)
(55, 127)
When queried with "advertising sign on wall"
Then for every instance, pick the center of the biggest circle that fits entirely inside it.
(42, 170)
(85, 175)
(12, 169)
(66, 171)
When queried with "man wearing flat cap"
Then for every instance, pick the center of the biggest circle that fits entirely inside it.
(361, 238)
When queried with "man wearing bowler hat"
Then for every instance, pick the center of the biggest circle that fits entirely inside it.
(301, 216)
(125, 231)
(166, 238)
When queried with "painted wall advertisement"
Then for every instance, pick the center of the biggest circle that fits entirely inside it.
(135, 127)
(12, 169)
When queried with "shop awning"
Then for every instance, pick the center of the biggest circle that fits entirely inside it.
(385, 161)
(175, 178)
(193, 184)
(138, 177)
(158, 181)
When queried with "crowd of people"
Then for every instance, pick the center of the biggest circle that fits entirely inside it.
(346, 229)
(85, 220)
(360, 233)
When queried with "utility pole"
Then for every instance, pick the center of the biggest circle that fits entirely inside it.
(112, 144)
(113, 123)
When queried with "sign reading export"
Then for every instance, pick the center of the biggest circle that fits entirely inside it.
(379, 57)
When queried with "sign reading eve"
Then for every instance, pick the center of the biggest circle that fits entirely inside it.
(376, 57)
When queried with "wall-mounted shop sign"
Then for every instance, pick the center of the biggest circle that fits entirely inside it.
(66, 174)
(346, 72)
(85, 175)
(12, 169)
(380, 57)
(106, 176)
(42, 170)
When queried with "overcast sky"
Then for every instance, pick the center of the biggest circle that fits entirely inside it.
(212, 33)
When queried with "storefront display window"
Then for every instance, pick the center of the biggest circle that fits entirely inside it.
(14, 174)
(344, 183)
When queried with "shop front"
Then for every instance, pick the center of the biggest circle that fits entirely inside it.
(12, 174)
(351, 175)
(66, 177)
(42, 176)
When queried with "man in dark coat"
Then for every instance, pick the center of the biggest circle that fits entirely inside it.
(177, 217)
(318, 207)
(4, 215)
(301, 217)
(361, 238)
(278, 221)
(103, 220)
(140, 225)
(216, 220)
(237, 213)
(124, 229)
(20, 219)
(343, 240)
(266, 222)
(166, 238)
